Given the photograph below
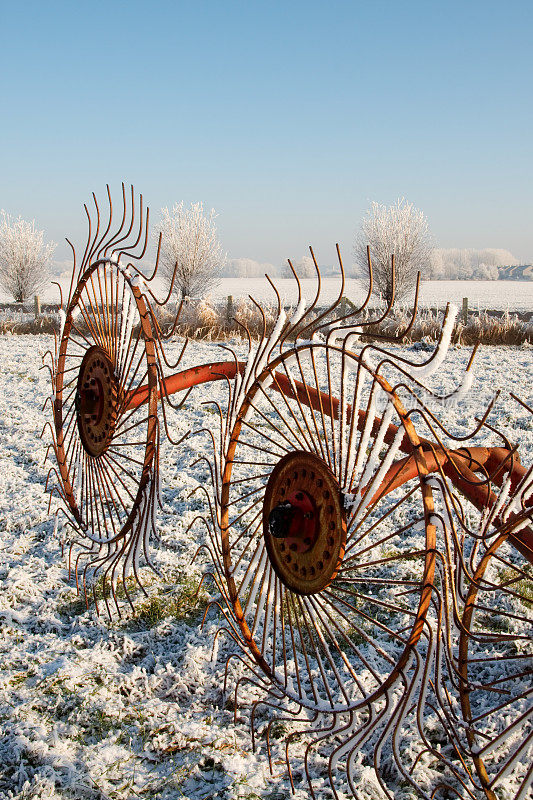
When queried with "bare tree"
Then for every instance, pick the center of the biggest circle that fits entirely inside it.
(24, 258)
(189, 244)
(400, 230)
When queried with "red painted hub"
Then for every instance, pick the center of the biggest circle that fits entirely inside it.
(295, 520)
(304, 523)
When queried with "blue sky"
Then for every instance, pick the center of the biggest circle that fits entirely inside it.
(287, 118)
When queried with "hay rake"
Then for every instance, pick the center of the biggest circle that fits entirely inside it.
(375, 575)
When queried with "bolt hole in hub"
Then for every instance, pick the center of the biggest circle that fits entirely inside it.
(96, 401)
(304, 523)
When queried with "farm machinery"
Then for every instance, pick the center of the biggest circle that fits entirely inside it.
(372, 567)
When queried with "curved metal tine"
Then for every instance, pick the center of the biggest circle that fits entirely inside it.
(398, 360)
(97, 231)
(446, 494)
(214, 475)
(286, 324)
(240, 656)
(507, 443)
(211, 554)
(367, 323)
(158, 254)
(116, 238)
(97, 246)
(399, 336)
(163, 392)
(356, 311)
(289, 740)
(460, 471)
(56, 348)
(232, 395)
(55, 283)
(171, 289)
(248, 334)
(170, 333)
(260, 683)
(118, 252)
(52, 379)
(175, 442)
(268, 705)
(160, 337)
(480, 422)
(105, 245)
(213, 551)
(74, 271)
(127, 251)
(51, 446)
(335, 728)
(391, 300)
(278, 298)
(217, 456)
(504, 466)
(522, 403)
(89, 237)
(286, 715)
(316, 298)
(334, 305)
(142, 227)
(290, 328)
(258, 352)
(262, 313)
(251, 667)
(233, 391)
(164, 337)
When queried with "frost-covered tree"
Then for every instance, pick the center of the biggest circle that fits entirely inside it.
(469, 263)
(189, 240)
(247, 268)
(400, 230)
(24, 257)
(305, 268)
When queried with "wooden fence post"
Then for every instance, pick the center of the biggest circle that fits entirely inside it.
(229, 309)
(465, 310)
(37, 306)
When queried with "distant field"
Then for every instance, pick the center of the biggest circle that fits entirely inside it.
(496, 295)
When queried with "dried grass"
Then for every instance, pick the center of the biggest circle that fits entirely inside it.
(208, 320)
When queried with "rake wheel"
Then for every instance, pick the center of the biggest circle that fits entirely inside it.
(328, 558)
(106, 450)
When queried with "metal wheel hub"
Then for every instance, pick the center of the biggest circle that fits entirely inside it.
(304, 523)
(96, 401)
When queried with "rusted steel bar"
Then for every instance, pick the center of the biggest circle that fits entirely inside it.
(186, 379)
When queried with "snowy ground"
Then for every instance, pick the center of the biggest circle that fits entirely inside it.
(134, 707)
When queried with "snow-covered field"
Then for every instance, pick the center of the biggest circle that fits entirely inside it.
(134, 708)
(495, 295)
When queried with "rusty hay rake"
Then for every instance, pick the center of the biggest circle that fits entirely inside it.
(373, 566)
